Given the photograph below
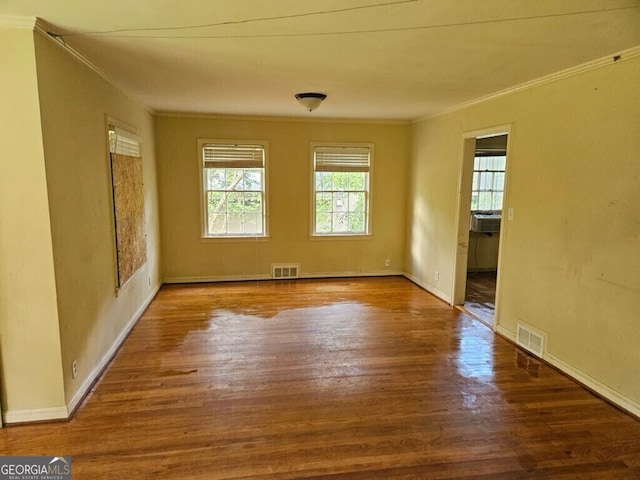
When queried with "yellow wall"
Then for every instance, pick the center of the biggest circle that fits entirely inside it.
(31, 369)
(570, 264)
(187, 258)
(75, 103)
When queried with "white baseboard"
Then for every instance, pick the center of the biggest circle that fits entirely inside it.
(216, 278)
(242, 278)
(36, 415)
(108, 356)
(598, 387)
(585, 379)
(509, 335)
(429, 288)
(380, 273)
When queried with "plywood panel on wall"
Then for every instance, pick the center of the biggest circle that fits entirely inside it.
(128, 201)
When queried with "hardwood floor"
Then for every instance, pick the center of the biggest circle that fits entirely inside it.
(331, 379)
(480, 296)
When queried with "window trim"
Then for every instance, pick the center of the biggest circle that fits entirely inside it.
(312, 203)
(203, 213)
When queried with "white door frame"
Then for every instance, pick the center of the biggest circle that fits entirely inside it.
(465, 178)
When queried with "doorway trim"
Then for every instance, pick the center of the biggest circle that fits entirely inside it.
(463, 212)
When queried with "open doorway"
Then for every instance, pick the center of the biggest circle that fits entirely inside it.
(482, 188)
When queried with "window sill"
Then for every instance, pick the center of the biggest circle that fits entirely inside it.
(232, 239)
(337, 236)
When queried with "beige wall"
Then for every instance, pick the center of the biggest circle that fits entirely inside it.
(31, 370)
(186, 257)
(75, 103)
(570, 264)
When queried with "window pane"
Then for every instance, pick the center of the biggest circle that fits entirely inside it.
(323, 222)
(217, 222)
(339, 202)
(500, 163)
(486, 180)
(476, 163)
(482, 163)
(234, 179)
(215, 201)
(235, 202)
(356, 181)
(356, 201)
(253, 202)
(484, 200)
(498, 181)
(252, 223)
(323, 202)
(341, 222)
(215, 178)
(340, 180)
(253, 180)
(234, 222)
(323, 181)
(497, 201)
(356, 222)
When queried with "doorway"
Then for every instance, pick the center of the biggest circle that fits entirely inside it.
(480, 222)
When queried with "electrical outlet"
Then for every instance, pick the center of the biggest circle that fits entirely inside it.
(437, 276)
(387, 262)
(74, 368)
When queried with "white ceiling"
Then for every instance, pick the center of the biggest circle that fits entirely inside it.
(375, 59)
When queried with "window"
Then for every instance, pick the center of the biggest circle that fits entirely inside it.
(488, 183)
(233, 176)
(341, 189)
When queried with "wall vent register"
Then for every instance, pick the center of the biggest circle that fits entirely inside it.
(284, 271)
(530, 339)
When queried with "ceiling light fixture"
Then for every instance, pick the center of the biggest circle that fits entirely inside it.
(310, 101)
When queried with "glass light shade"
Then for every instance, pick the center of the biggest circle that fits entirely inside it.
(310, 101)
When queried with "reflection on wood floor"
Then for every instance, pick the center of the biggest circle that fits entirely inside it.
(349, 379)
(480, 297)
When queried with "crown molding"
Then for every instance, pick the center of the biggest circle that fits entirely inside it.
(18, 22)
(292, 119)
(44, 29)
(569, 72)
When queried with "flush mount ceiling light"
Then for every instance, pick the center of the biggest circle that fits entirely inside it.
(310, 101)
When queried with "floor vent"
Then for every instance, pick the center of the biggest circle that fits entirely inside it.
(281, 271)
(531, 339)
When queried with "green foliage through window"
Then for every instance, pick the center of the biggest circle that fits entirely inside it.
(233, 178)
(341, 190)
(234, 201)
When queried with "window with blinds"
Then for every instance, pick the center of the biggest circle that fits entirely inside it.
(341, 179)
(233, 176)
(123, 142)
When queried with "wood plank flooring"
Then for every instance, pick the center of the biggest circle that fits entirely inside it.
(480, 295)
(330, 379)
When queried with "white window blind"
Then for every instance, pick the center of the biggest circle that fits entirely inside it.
(342, 159)
(123, 142)
(233, 156)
